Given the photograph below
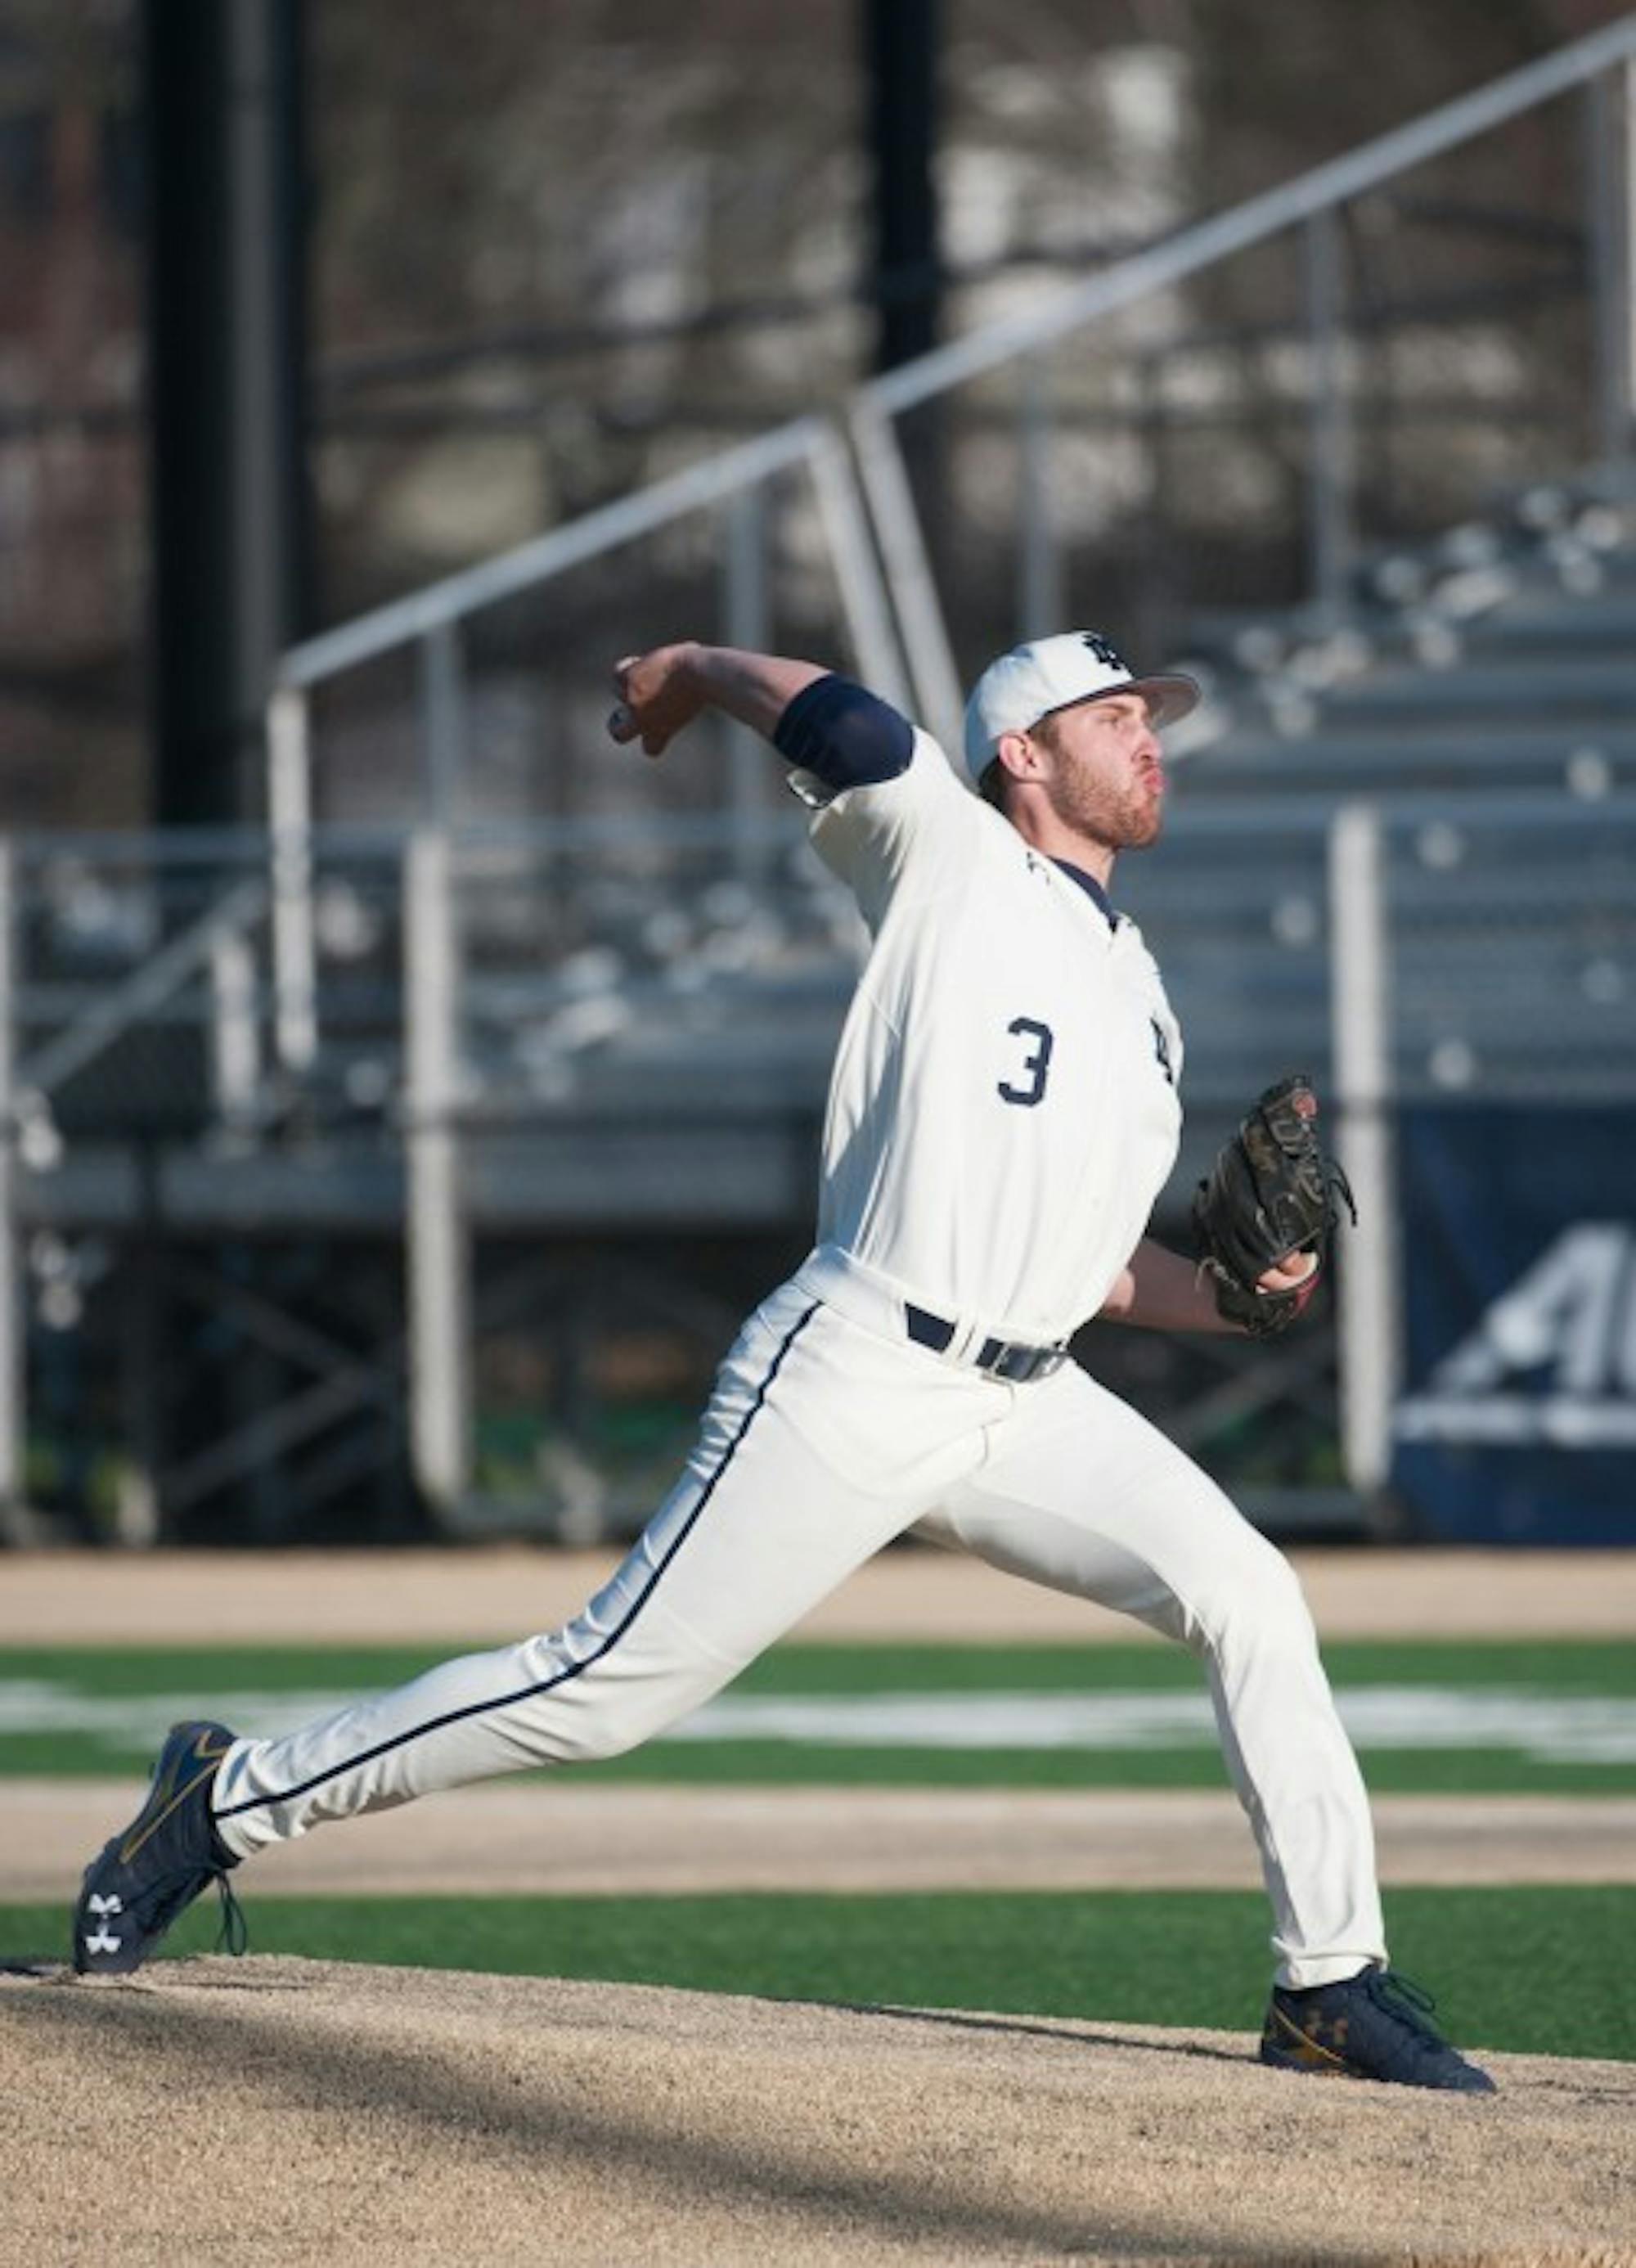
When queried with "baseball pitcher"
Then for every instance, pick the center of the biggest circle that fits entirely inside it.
(1004, 1111)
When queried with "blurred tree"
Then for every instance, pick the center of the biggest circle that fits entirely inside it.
(72, 526)
(554, 246)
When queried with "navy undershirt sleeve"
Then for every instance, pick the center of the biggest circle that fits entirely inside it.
(844, 734)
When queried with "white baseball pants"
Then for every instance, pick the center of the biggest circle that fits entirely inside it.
(828, 1434)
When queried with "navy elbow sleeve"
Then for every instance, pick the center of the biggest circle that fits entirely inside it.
(844, 734)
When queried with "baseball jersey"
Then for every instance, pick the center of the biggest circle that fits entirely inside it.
(1003, 1111)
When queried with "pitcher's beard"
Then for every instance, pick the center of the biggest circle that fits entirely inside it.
(1119, 820)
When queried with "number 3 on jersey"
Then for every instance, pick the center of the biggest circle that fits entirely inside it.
(1036, 1065)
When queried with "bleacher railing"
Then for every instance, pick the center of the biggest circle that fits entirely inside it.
(1312, 210)
(1208, 370)
(499, 1004)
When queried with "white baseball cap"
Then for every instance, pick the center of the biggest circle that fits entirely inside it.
(1014, 693)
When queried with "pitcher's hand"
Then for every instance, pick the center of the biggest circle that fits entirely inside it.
(658, 696)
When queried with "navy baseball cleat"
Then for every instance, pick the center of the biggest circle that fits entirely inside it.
(137, 1886)
(1374, 2026)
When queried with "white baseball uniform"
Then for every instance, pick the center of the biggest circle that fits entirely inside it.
(1003, 1117)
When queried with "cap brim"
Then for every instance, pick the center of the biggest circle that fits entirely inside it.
(1170, 696)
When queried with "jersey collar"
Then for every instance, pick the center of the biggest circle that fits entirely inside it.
(1093, 890)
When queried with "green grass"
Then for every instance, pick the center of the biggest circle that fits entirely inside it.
(1546, 1970)
(1566, 1664)
(207, 1680)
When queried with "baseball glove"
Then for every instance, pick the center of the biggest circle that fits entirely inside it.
(1270, 1193)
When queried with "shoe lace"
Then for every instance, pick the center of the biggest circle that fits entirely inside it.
(1401, 1997)
(234, 1935)
(168, 1897)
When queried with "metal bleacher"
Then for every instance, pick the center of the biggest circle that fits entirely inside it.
(645, 1012)
(1502, 656)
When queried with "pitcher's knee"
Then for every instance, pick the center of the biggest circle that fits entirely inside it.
(598, 1717)
(1257, 1602)
(591, 1738)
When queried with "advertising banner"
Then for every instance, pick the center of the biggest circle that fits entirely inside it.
(1517, 1420)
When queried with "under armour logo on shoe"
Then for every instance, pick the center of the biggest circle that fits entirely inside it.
(102, 1938)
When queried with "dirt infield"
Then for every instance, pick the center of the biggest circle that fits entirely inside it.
(200, 1598)
(289, 2113)
(572, 1839)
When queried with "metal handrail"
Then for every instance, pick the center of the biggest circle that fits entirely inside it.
(812, 440)
(431, 618)
(623, 522)
(888, 591)
(1312, 201)
(1322, 190)
(805, 441)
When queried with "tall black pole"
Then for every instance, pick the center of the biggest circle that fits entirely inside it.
(227, 361)
(901, 38)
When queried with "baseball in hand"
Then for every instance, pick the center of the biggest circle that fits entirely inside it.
(658, 696)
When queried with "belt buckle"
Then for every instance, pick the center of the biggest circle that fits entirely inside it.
(1020, 1366)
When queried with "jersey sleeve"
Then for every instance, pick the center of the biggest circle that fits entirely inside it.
(915, 829)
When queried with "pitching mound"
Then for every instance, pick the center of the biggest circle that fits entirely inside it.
(294, 2111)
